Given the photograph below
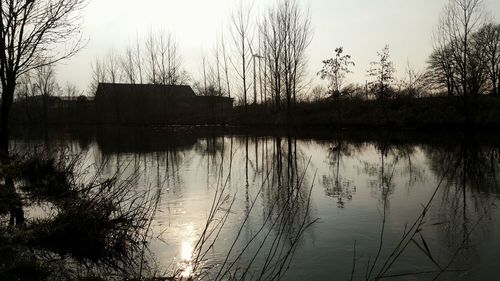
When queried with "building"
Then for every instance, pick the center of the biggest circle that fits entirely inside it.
(158, 104)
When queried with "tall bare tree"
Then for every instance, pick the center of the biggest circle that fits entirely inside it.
(99, 75)
(241, 36)
(113, 66)
(169, 60)
(163, 60)
(226, 66)
(30, 30)
(151, 57)
(287, 34)
(274, 46)
(138, 60)
(296, 35)
(459, 21)
(128, 65)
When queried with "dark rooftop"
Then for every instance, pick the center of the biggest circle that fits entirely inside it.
(174, 91)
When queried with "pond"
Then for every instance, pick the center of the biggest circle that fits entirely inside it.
(323, 206)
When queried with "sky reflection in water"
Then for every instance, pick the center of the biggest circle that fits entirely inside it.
(354, 179)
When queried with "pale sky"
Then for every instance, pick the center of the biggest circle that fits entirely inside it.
(362, 27)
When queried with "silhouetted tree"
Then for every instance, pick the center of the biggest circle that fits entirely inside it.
(151, 57)
(296, 35)
(274, 45)
(441, 69)
(161, 63)
(113, 68)
(226, 66)
(213, 72)
(287, 33)
(128, 65)
(46, 85)
(335, 71)
(98, 75)
(240, 33)
(414, 82)
(318, 93)
(460, 20)
(489, 38)
(139, 60)
(29, 31)
(383, 73)
(169, 60)
(25, 92)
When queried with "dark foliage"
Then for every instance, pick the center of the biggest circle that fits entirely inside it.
(99, 224)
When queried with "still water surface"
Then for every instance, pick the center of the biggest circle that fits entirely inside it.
(360, 194)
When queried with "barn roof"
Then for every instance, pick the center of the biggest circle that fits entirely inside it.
(173, 91)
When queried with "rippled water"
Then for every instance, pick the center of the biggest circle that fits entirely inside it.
(361, 194)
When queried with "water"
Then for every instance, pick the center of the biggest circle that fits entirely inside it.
(361, 193)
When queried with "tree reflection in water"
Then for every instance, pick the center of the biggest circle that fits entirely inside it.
(266, 252)
(458, 208)
(338, 186)
(260, 188)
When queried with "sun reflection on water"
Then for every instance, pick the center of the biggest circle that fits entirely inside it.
(186, 253)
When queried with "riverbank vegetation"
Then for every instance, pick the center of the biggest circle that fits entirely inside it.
(59, 223)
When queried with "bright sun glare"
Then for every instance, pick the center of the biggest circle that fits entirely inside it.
(186, 253)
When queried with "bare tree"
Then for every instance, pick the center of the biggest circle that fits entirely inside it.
(29, 33)
(335, 70)
(70, 90)
(318, 93)
(204, 63)
(240, 33)
(441, 69)
(163, 61)
(138, 60)
(169, 60)
(25, 91)
(296, 35)
(382, 71)
(113, 67)
(287, 34)
(160, 63)
(414, 81)
(459, 21)
(226, 66)
(99, 75)
(217, 52)
(270, 30)
(128, 65)
(46, 86)
(151, 58)
(488, 37)
(212, 73)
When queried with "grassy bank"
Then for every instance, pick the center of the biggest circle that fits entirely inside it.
(422, 113)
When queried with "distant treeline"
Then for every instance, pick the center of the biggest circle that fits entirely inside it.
(404, 112)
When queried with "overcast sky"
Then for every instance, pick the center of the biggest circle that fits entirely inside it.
(362, 27)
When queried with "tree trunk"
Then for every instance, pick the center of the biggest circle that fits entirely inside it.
(7, 98)
(498, 85)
